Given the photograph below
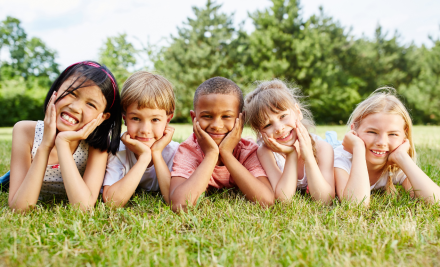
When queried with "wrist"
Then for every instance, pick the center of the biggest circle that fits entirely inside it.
(144, 158)
(359, 147)
(400, 158)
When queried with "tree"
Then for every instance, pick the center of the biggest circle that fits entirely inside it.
(119, 56)
(202, 49)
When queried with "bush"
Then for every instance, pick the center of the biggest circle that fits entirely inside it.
(19, 103)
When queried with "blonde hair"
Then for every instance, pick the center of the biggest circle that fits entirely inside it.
(274, 96)
(384, 100)
(149, 91)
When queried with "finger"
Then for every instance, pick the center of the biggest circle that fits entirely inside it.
(49, 105)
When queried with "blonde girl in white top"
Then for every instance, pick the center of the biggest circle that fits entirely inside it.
(379, 152)
(291, 157)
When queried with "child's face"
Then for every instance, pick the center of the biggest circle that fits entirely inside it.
(146, 125)
(216, 114)
(382, 133)
(281, 126)
(79, 107)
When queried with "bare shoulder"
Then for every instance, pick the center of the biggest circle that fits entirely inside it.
(24, 131)
(321, 145)
(262, 150)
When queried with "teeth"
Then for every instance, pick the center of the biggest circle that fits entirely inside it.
(287, 134)
(379, 152)
(68, 118)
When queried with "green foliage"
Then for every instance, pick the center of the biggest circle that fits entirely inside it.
(119, 56)
(333, 69)
(26, 77)
(201, 50)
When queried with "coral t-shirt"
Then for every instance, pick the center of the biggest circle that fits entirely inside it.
(189, 156)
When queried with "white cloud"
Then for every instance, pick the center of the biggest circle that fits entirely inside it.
(76, 29)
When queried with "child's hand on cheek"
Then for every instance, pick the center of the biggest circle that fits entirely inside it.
(50, 124)
(206, 143)
(81, 134)
(305, 143)
(399, 152)
(351, 140)
(273, 145)
(160, 144)
(135, 146)
(233, 137)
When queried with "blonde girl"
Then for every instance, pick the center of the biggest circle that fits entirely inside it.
(379, 152)
(292, 158)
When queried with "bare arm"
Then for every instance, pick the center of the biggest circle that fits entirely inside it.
(358, 185)
(162, 172)
(185, 192)
(320, 175)
(422, 185)
(118, 194)
(283, 183)
(81, 190)
(256, 189)
(26, 176)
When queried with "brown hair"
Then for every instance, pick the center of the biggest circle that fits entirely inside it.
(275, 96)
(384, 100)
(149, 91)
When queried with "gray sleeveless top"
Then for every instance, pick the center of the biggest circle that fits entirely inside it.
(53, 183)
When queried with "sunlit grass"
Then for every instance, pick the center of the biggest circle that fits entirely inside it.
(226, 230)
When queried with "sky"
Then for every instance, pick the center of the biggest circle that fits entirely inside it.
(77, 29)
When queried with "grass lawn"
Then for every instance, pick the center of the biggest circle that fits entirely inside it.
(227, 230)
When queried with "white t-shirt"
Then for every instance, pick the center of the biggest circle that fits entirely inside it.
(118, 166)
(343, 161)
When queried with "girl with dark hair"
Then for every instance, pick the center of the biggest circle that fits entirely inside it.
(66, 154)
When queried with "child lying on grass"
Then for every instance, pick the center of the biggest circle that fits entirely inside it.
(215, 154)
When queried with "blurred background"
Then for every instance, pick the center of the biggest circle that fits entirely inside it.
(336, 51)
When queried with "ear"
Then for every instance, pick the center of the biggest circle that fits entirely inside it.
(123, 117)
(193, 114)
(169, 117)
(352, 126)
(298, 112)
(106, 116)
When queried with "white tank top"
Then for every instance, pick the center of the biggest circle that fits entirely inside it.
(52, 182)
(281, 161)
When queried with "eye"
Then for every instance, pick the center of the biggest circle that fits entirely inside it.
(226, 116)
(371, 132)
(155, 120)
(283, 115)
(393, 134)
(266, 126)
(135, 119)
(206, 116)
(92, 105)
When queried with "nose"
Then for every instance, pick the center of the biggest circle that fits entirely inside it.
(216, 124)
(382, 140)
(145, 128)
(75, 106)
(279, 127)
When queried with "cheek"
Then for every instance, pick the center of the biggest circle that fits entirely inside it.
(131, 128)
(158, 130)
(395, 142)
(230, 125)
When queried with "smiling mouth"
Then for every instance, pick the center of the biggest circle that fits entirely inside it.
(67, 118)
(379, 153)
(216, 135)
(143, 139)
(285, 137)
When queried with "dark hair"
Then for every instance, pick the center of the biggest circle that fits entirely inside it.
(219, 85)
(107, 135)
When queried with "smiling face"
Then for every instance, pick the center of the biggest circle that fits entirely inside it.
(281, 126)
(382, 133)
(146, 125)
(79, 107)
(216, 114)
